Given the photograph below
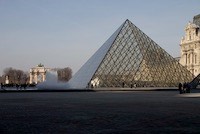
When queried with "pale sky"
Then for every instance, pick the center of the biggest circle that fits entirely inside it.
(65, 33)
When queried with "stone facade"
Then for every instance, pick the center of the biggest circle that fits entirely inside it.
(190, 46)
(38, 74)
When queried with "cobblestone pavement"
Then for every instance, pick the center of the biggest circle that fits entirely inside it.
(99, 112)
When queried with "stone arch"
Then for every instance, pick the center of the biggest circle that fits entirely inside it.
(38, 74)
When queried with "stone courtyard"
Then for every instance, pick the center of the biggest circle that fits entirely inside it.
(99, 112)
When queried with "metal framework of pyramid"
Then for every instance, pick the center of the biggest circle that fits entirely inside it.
(130, 58)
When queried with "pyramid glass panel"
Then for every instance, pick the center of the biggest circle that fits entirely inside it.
(130, 59)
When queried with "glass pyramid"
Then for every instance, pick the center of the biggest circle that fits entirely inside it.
(130, 58)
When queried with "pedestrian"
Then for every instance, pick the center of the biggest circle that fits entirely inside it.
(184, 87)
(1, 85)
(17, 86)
(123, 84)
(180, 88)
(135, 85)
(188, 88)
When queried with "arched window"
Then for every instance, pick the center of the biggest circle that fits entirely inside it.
(189, 36)
(189, 59)
(192, 58)
(197, 29)
(186, 59)
(195, 59)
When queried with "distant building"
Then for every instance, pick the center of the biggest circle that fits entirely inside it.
(190, 46)
(38, 74)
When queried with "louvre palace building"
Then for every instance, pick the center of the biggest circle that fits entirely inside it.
(190, 46)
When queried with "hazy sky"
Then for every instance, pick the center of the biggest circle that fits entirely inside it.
(65, 33)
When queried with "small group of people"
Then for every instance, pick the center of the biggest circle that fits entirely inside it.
(131, 86)
(2, 86)
(17, 86)
(21, 86)
(184, 88)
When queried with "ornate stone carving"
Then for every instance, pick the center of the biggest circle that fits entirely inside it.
(190, 46)
(38, 74)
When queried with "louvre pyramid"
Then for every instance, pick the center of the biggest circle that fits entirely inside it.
(129, 57)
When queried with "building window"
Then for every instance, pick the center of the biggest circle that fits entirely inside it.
(186, 59)
(189, 59)
(197, 30)
(189, 36)
(192, 56)
(195, 59)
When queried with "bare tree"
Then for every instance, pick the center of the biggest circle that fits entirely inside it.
(64, 74)
(1, 79)
(15, 76)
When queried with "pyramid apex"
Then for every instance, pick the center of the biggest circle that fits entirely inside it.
(127, 21)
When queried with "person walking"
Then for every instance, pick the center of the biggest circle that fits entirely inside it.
(184, 87)
(2, 86)
(180, 88)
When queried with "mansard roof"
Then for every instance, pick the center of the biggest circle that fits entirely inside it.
(196, 20)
